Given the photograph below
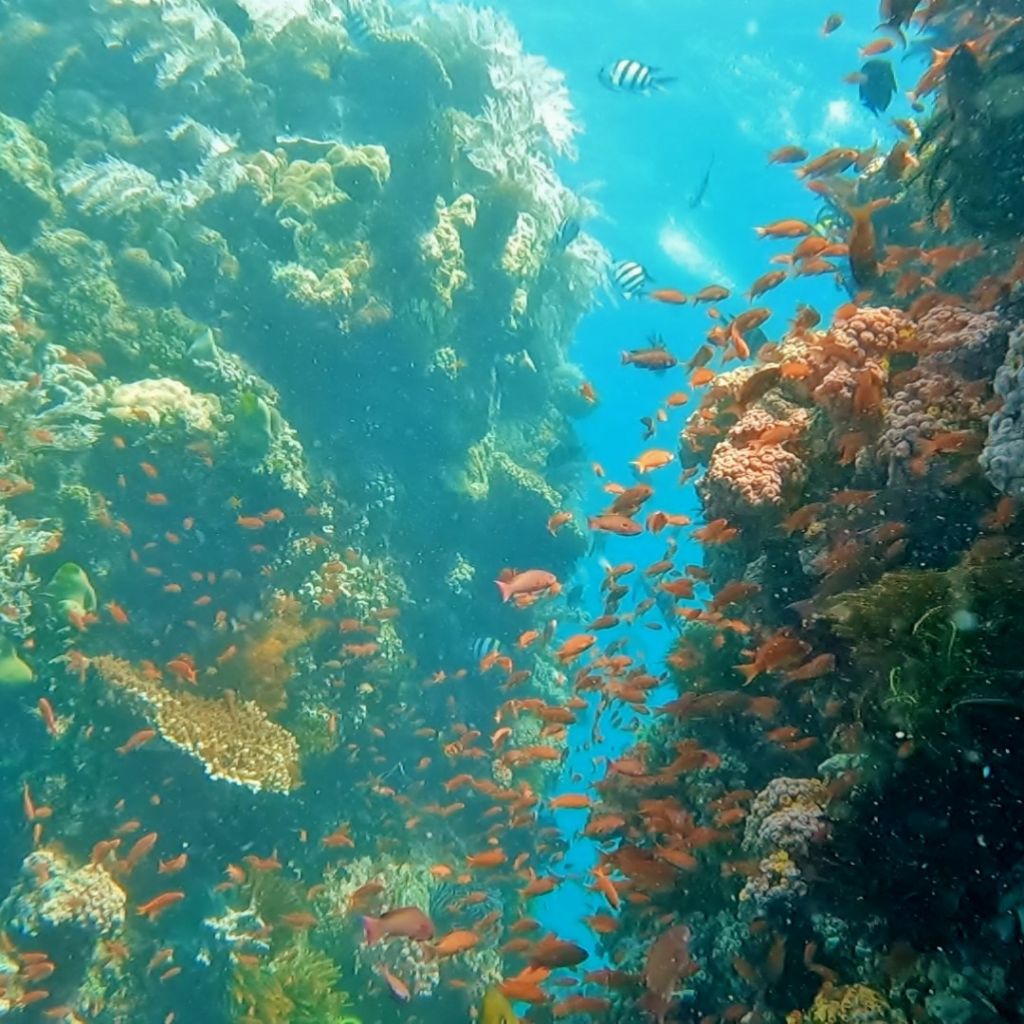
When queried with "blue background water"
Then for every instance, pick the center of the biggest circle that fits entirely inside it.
(751, 76)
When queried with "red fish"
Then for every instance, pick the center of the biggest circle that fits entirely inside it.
(402, 922)
(532, 581)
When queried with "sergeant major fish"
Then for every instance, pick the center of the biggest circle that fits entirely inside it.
(630, 278)
(633, 76)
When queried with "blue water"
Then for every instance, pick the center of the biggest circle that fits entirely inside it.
(749, 79)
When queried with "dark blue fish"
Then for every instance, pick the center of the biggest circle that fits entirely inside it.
(877, 85)
(630, 278)
(568, 231)
(632, 76)
(698, 197)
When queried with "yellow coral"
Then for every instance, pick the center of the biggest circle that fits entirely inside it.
(160, 399)
(851, 1004)
(265, 665)
(443, 246)
(232, 738)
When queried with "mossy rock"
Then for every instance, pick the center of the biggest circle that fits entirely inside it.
(13, 671)
(27, 192)
(925, 641)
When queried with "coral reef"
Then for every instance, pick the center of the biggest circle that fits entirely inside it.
(54, 893)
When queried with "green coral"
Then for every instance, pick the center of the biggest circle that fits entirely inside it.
(298, 986)
(488, 467)
(13, 671)
(441, 248)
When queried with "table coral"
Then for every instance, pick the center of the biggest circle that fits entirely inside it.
(233, 739)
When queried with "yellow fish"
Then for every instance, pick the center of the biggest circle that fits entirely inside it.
(496, 1009)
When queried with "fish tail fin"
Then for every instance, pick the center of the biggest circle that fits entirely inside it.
(661, 81)
(504, 589)
(886, 26)
(626, 359)
(372, 929)
(749, 672)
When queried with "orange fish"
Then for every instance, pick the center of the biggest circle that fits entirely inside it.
(158, 904)
(174, 865)
(455, 942)
(574, 647)
(156, 499)
(670, 296)
(488, 859)
(137, 740)
(117, 613)
(558, 520)
(788, 155)
(653, 458)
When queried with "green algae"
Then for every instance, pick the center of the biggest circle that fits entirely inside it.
(926, 641)
(297, 986)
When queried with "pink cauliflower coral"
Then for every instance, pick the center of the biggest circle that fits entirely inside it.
(750, 468)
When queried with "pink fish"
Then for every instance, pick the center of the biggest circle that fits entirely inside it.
(532, 581)
(398, 988)
(668, 961)
(407, 922)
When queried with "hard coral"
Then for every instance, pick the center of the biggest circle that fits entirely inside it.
(53, 892)
(743, 474)
(233, 739)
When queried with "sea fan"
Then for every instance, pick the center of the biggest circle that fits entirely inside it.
(117, 188)
(191, 44)
(112, 186)
(460, 28)
(539, 90)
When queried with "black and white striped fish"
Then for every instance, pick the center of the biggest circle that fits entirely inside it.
(484, 647)
(633, 76)
(630, 278)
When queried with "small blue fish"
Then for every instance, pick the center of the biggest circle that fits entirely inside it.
(632, 76)
(630, 278)
(568, 231)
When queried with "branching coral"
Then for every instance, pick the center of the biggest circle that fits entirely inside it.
(232, 738)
